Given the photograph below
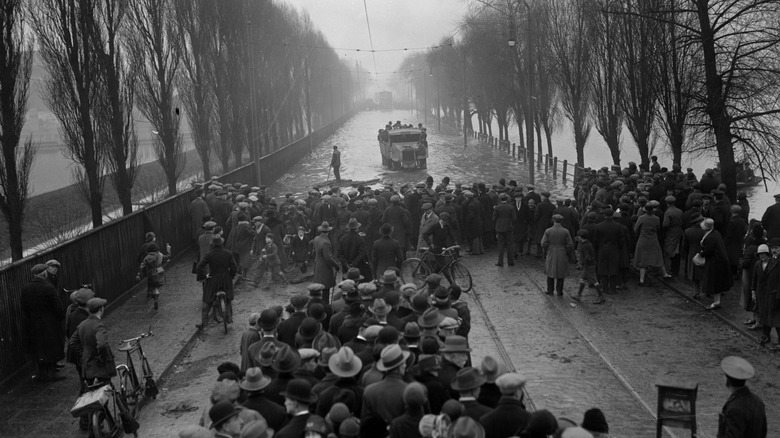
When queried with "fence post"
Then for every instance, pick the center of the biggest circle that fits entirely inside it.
(565, 165)
(546, 163)
(514, 150)
(555, 167)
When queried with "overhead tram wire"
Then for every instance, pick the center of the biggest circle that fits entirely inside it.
(370, 37)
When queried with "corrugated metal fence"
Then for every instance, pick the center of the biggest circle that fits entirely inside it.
(106, 256)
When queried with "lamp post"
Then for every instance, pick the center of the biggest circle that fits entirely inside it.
(425, 92)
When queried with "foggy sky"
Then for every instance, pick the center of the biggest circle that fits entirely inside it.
(394, 24)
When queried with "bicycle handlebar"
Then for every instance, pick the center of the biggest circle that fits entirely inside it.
(83, 286)
(137, 338)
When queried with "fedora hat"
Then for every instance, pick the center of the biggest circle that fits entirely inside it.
(325, 227)
(345, 363)
(325, 356)
(354, 275)
(491, 368)
(392, 357)
(455, 344)
(254, 380)
(299, 390)
(430, 318)
(265, 355)
(222, 412)
(353, 224)
(286, 360)
(325, 339)
(269, 320)
(467, 379)
(309, 328)
(389, 277)
(379, 307)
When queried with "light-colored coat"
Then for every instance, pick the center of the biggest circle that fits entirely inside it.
(425, 225)
(557, 244)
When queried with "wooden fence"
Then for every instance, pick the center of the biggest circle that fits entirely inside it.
(106, 257)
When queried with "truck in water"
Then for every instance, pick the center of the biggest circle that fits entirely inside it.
(404, 148)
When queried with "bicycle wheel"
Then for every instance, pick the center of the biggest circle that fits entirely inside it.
(415, 271)
(128, 392)
(461, 276)
(223, 309)
(102, 424)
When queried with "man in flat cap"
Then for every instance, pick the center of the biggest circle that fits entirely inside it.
(91, 339)
(510, 414)
(744, 414)
(44, 316)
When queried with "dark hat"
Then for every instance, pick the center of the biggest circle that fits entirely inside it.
(389, 277)
(324, 227)
(269, 320)
(93, 304)
(315, 289)
(467, 379)
(433, 280)
(429, 345)
(209, 225)
(299, 300)
(309, 328)
(286, 359)
(775, 241)
(388, 335)
(392, 298)
(455, 344)
(353, 224)
(583, 233)
(428, 362)
(541, 422)
(430, 318)
(420, 302)
(386, 229)
(412, 330)
(217, 241)
(254, 380)
(453, 408)
(299, 390)
(392, 357)
(595, 421)
(345, 363)
(265, 356)
(355, 308)
(415, 395)
(317, 311)
(441, 293)
(40, 267)
(222, 412)
(82, 296)
(349, 428)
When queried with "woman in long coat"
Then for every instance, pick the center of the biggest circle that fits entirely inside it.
(472, 212)
(754, 238)
(765, 284)
(648, 252)
(43, 314)
(717, 277)
(557, 245)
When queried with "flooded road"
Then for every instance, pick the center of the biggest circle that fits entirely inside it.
(362, 161)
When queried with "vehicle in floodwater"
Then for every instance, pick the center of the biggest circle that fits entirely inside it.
(405, 148)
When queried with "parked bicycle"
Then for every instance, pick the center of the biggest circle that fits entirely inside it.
(131, 388)
(222, 308)
(416, 270)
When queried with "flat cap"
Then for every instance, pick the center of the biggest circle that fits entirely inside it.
(95, 304)
(508, 383)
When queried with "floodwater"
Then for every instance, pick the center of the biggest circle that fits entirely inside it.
(447, 156)
(361, 159)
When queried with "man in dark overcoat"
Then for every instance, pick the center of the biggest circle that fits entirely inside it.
(91, 339)
(771, 219)
(386, 252)
(510, 414)
(325, 263)
(744, 414)
(542, 220)
(397, 216)
(352, 250)
(222, 268)
(608, 243)
(44, 317)
(198, 211)
(222, 210)
(504, 218)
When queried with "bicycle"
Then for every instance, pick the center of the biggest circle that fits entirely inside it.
(130, 386)
(109, 415)
(416, 270)
(222, 308)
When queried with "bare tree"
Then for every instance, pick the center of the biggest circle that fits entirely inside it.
(219, 64)
(114, 120)
(194, 21)
(66, 45)
(156, 52)
(638, 52)
(231, 29)
(16, 162)
(571, 40)
(546, 104)
(608, 81)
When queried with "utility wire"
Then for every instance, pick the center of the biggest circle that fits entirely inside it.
(370, 38)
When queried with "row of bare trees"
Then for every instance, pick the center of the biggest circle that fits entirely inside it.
(689, 74)
(250, 76)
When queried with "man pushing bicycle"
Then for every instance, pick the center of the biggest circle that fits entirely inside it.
(439, 236)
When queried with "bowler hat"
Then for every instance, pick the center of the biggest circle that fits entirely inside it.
(455, 344)
(345, 363)
(737, 368)
(430, 318)
(286, 360)
(386, 229)
(387, 335)
(392, 357)
(299, 390)
(309, 328)
(222, 412)
(441, 292)
(324, 227)
(420, 302)
(467, 379)
(317, 311)
(354, 274)
(269, 320)
(254, 380)
(595, 421)
(412, 330)
(429, 344)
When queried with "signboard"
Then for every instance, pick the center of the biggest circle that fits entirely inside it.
(676, 405)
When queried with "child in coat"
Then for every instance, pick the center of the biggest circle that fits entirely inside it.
(152, 268)
(588, 262)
